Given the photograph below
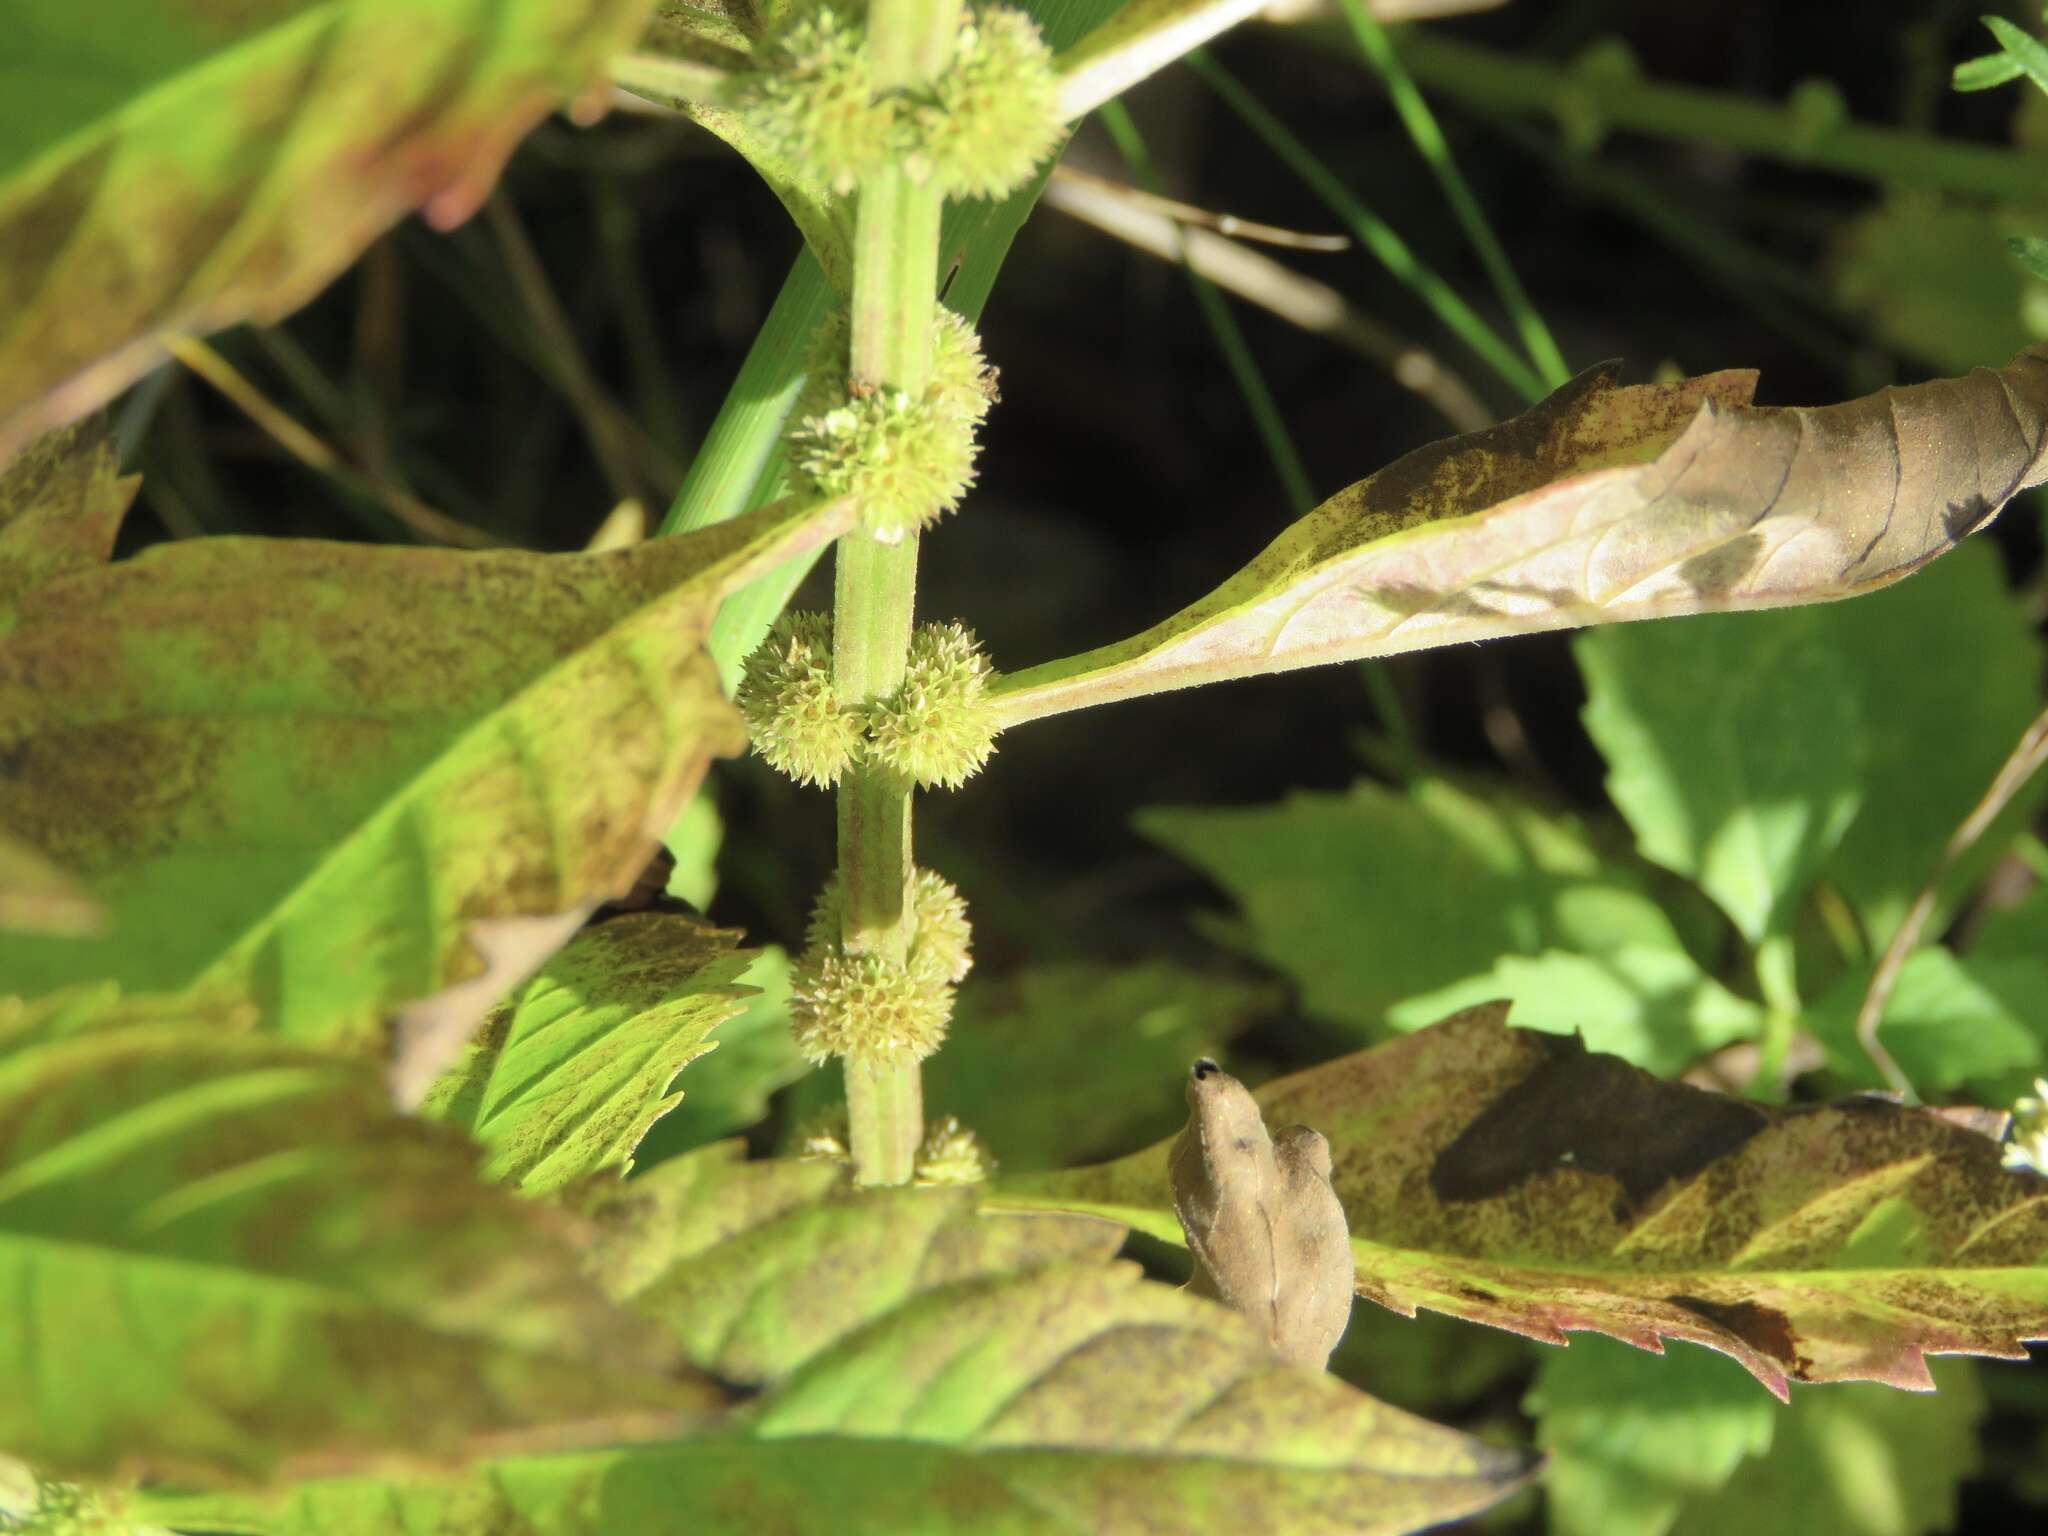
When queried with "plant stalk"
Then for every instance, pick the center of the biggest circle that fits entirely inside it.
(895, 291)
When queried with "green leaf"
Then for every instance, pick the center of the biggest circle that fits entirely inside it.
(182, 168)
(2031, 254)
(1597, 505)
(2024, 50)
(1948, 1020)
(752, 1057)
(1075, 1398)
(1060, 1063)
(694, 841)
(340, 780)
(2017, 932)
(1634, 1438)
(1855, 1461)
(1514, 1178)
(1933, 747)
(1985, 72)
(1649, 1004)
(567, 1073)
(1734, 748)
(1936, 280)
(754, 1268)
(226, 1257)
(1425, 1363)
(1375, 896)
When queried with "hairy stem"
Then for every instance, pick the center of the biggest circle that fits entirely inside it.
(895, 291)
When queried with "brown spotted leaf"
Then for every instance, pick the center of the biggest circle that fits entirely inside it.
(1598, 505)
(227, 1258)
(61, 503)
(181, 167)
(566, 1074)
(340, 781)
(1514, 1178)
(982, 1386)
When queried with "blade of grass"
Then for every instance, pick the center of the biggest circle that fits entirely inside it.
(1130, 216)
(1436, 153)
(1779, 292)
(606, 428)
(316, 455)
(1372, 232)
(1244, 368)
(1266, 416)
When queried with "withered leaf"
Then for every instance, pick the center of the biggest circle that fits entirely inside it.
(1598, 505)
(1515, 1178)
(1264, 1226)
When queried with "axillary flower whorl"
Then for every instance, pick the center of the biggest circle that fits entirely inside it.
(793, 713)
(937, 727)
(906, 460)
(868, 1005)
(811, 97)
(979, 129)
(993, 116)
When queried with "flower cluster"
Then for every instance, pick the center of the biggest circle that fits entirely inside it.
(993, 115)
(870, 1005)
(792, 712)
(935, 728)
(905, 460)
(952, 1154)
(978, 130)
(938, 726)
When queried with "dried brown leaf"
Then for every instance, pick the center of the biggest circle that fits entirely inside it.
(1598, 505)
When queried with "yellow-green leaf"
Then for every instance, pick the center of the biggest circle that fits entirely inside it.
(998, 1401)
(226, 1257)
(755, 1268)
(565, 1075)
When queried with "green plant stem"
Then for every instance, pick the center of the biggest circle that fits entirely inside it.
(884, 1112)
(1372, 232)
(895, 293)
(895, 281)
(1436, 153)
(909, 41)
(1517, 83)
(1776, 978)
